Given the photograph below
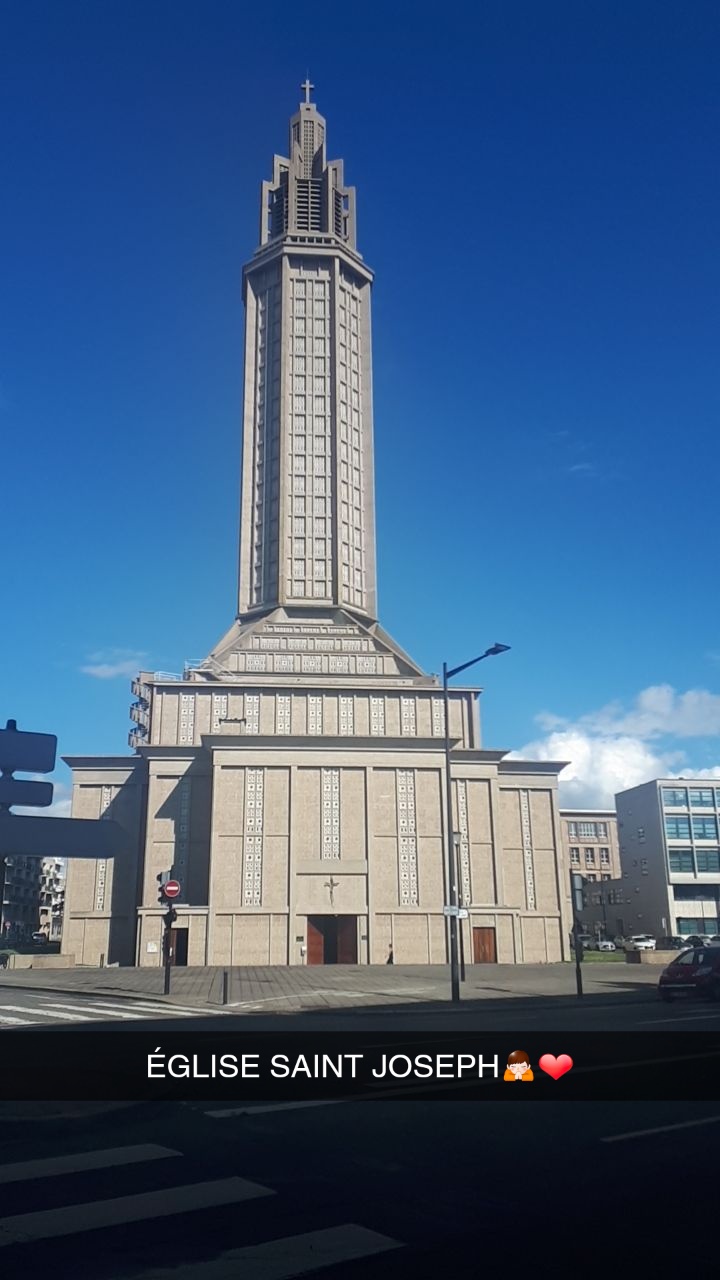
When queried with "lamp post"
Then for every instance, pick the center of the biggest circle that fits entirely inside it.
(450, 851)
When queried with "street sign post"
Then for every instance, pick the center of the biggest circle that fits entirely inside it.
(169, 889)
(29, 836)
(26, 752)
(33, 795)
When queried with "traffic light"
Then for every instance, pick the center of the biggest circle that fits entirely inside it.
(162, 878)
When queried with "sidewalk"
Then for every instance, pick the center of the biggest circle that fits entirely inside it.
(292, 989)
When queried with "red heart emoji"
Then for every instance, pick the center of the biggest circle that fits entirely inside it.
(555, 1067)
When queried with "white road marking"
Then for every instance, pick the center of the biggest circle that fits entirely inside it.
(90, 1008)
(182, 1010)
(45, 1011)
(665, 1128)
(688, 1017)
(275, 1106)
(71, 1219)
(18, 1022)
(283, 1259)
(83, 1161)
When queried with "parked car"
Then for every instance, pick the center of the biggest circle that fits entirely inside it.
(640, 942)
(695, 972)
(698, 940)
(672, 944)
(40, 938)
(604, 944)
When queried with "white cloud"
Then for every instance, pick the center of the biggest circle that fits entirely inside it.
(658, 711)
(109, 664)
(612, 749)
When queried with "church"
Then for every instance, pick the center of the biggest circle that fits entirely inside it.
(294, 781)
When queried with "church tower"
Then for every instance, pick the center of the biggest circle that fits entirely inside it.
(308, 526)
(294, 781)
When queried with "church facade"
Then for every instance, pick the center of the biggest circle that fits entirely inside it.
(293, 781)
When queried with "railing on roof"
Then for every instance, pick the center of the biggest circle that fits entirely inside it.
(165, 676)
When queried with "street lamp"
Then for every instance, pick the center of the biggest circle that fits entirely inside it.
(450, 852)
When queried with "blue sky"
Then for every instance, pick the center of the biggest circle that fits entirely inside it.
(539, 195)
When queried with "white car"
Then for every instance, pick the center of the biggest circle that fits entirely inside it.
(641, 942)
(605, 945)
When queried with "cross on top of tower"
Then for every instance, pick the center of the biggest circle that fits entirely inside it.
(307, 86)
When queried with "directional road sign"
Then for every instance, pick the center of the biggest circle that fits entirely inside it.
(171, 888)
(19, 791)
(26, 752)
(38, 837)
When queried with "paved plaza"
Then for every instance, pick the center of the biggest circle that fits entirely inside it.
(291, 990)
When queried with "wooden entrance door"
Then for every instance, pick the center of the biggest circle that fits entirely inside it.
(332, 940)
(484, 947)
(315, 942)
(347, 940)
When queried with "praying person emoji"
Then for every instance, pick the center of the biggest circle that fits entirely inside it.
(518, 1067)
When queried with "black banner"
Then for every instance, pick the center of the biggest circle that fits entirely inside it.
(81, 1064)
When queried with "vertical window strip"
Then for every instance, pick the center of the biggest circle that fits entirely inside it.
(407, 716)
(182, 832)
(527, 849)
(438, 718)
(252, 712)
(315, 714)
(331, 813)
(187, 717)
(219, 710)
(377, 716)
(283, 713)
(465, 885)
(347, 715)
(407, 838)
(253, 859)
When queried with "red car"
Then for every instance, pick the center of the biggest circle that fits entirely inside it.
(695, 972)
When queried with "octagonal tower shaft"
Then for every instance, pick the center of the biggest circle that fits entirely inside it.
(307, 536)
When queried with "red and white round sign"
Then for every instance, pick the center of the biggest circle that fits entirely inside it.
(171, 889)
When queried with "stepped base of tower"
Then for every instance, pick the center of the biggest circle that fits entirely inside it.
(294, 783)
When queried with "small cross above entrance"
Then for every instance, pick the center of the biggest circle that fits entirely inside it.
(332, 885)
(307, 86)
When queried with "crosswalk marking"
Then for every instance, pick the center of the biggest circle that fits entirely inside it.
(46, 1012)
(83, 1161)
(83, 1008)
(185, 1010)
(285, 1258)
(47, 1224)
(97, 1010)
(118, 1010)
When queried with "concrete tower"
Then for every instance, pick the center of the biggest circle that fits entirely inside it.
(308, 527)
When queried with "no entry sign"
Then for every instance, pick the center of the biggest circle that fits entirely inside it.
(172, 889)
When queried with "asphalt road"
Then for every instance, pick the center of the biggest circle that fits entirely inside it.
(370, 1189)
(214, 1191)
